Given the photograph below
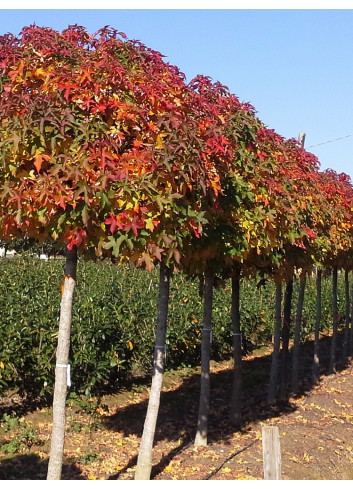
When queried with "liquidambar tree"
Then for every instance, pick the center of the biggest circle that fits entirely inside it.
(93, 152)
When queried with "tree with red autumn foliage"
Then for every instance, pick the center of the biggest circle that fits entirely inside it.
(107, 150)
(102, 150)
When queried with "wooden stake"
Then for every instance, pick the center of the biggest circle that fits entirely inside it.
(271, 453)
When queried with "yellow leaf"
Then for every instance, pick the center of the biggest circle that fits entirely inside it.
(2, 365)
(307, 457)
(40, 71)
(226, 470)
(159, 141)
(131, 346)
(149, 224)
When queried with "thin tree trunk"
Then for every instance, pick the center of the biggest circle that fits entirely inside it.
(285, 337)
(237, 377)
(345, 346)
(332, 366)
(144, 461)
(316, 363)
(297, 331)
(202, 424)
(351, 331)
(62, 368)
(272, 388)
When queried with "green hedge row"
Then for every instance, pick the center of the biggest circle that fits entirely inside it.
(114, 316)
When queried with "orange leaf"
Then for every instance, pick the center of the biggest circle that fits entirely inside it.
(38, 162)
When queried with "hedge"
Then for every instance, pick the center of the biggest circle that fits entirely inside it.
(113, 324)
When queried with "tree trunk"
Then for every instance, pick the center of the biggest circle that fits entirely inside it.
(351, 331)
(237, 377)
(332, 366)
(272, 388)
(345, 346)
(316, 364)
(144, 461)
(62, 373)
(297, 331)
(202, 424)
(285, 337)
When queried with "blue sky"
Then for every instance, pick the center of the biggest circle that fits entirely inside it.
(294, 66)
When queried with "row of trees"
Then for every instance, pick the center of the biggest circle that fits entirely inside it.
(108, 151)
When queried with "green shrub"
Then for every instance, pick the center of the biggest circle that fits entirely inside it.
(114, 317)
(30, 305)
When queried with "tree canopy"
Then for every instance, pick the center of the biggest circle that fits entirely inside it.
(106, 147)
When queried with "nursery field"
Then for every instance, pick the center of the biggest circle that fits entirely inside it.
(111, 350)
(110, 156)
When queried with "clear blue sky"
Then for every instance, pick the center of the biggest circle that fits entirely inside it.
(294, 66)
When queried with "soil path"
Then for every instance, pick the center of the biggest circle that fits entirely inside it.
(316, 436)
(316, 430)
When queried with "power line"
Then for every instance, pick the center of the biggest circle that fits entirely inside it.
(331, 141)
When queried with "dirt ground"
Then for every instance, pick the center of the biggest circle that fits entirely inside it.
(102, 441)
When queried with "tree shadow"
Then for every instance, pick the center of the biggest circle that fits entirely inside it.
(178, 412)
(31, 467)
(177, 418)
(20, 406)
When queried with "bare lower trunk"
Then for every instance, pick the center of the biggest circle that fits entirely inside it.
(62, 369)
(351, 330)
(316, 364)
(285, 337)
(332, 366)
(272, 388)
(202, 424)
(297, 331)
(144, 461)
(345, 346)
(237, 377)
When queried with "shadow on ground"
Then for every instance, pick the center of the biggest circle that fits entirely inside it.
(178, 412)
(32, 467)
(179, 408)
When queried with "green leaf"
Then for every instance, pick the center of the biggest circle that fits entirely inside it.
(85, 215)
